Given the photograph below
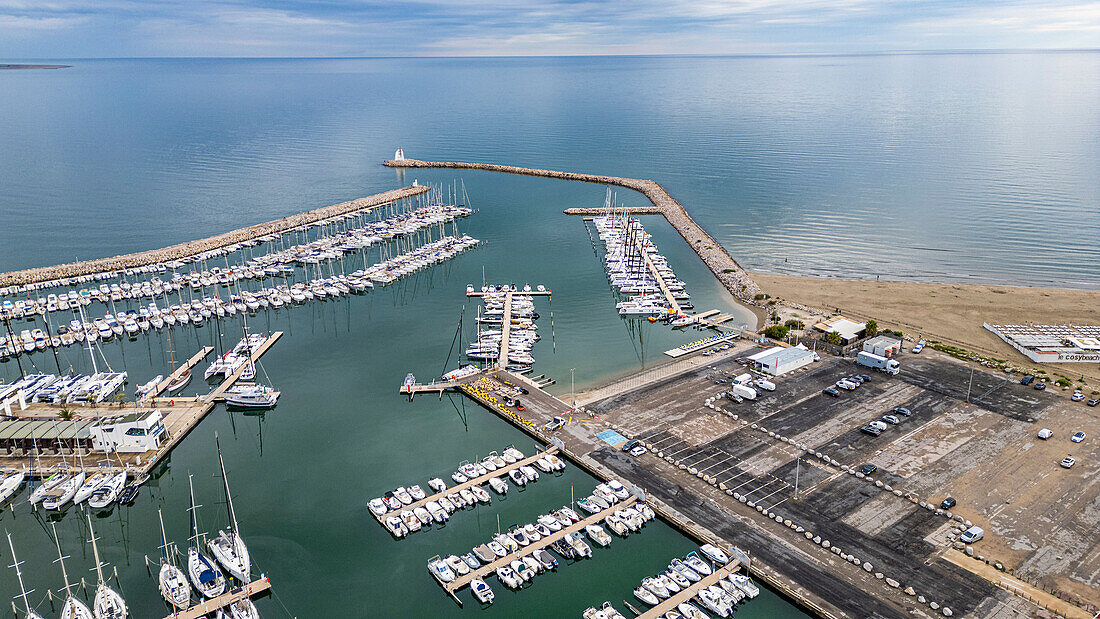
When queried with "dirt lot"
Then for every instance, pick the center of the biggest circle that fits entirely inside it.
(1041, 520)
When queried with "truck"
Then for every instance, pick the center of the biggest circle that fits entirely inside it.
(744, 391)
(878, 362)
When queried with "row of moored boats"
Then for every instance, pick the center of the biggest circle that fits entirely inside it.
(522, 329)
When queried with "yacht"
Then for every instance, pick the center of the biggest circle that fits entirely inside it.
(10, 484)
(251, 396)
(107, 492)
(204, 573)
(108, 603)
(73, 608)
(228, 547)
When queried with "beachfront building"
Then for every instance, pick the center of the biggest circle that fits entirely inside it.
(779, 360)
(883, 345)
(848, 330)
(136, 432)
(1052, 343)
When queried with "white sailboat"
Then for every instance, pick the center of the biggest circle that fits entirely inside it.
(173, 582)
(228, 547)
(10, 484)
(204, 573)
(108, 604)
(73, 607)
(28, 613)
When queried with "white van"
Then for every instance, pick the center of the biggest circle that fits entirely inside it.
(766, 385)
(972, 535)
(1045, 433)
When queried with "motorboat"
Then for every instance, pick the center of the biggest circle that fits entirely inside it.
(518, 478)
(480, 494)
(745, 584)
(377, 506)
(90, 485)
(678, 578)
(618, 489)
(417, 492)
(597, 534)
(679, 567)
(569, 513)
(459, 478)
(576, 540)
(530, 473)
(422, 515)
(731, 590)
(108, 491)
(712, 602)
(439, 570)
(518, 535)
(396, 527)
(646, 596)
(484, 553)
(589, 506)
(437, 485)
(714, 553)
(498, 548)
(531, 532)
(690, 611)
(498, 485)
(403, 495)
(391, 501)
(546, 559)
(459, 566)
(522, 569)
(550, 522)
(617, 526)
(670, 585)
(532, 563)
(507, 575)
(656, 587)
(481, 591)
(694, 562)
(437, 512)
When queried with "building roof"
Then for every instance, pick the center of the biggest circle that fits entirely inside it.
(845, 328)
(127, 418)
(779, 356)
(40, 430)
(886, 340)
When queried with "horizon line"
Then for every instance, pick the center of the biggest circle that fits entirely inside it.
(899, 52)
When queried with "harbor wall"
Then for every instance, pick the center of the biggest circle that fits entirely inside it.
(725, 268)
(191, 248)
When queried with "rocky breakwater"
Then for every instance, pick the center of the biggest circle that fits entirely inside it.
(192, 248)
(724, 267)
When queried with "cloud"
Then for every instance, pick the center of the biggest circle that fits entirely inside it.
(508, 27)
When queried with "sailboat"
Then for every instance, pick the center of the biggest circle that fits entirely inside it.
(204, 573)
(73, 608)
(228, 547)
(108, 603)
(173, 582)
(184, 377)
(29, 614)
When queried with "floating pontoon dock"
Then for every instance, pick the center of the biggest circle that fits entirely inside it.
(204, 608)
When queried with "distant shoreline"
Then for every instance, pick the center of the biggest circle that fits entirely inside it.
(16, 67)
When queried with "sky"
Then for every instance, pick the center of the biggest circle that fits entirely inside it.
(322, 28)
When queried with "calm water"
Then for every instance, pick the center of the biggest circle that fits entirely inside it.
(951, 167)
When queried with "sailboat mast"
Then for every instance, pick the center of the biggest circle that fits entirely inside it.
(18, 574)
(194, 521)
(164, 538)
(95, 552)
(225, 483)
(61, 560)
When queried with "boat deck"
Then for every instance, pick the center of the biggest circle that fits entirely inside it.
(486, 570)
(206, 607)
(687, 594)
(468, 484)
(219, 393)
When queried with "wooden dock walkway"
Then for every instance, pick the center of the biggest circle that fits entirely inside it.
(206, 607)
(686, 595)
(469, 483)
(218, 393)
(485, 570)
(416, 388)
(639, 243)
(190, 363)
(506, 320)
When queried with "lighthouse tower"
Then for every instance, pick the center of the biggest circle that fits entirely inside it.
(399, 155)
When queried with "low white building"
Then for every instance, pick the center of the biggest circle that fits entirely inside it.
(779, 360)
(136, 432)
(883, 346)
(848, 330)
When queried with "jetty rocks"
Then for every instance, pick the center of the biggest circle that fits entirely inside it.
(717, 259)
(191, 248)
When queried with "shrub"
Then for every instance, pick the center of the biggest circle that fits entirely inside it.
(729, 270)
(1064, 382)
(760, 296)
(794, 324)
(776, 332)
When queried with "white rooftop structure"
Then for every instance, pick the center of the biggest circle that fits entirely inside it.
(779, 360)
(136, 432)
(1052, 343)
(845, 328)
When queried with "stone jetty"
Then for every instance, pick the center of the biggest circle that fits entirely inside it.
(724, 267)
(191, 248)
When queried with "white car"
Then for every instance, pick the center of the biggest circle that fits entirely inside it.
(1077, 437)
(638, 451)
(1045, 433)
(1068, 462)
(1077, 396)
(846, 384)
(918, 347)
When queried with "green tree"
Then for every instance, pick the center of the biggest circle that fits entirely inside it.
(833, 337)
(872, 328)
(65, 414)
(776, 332)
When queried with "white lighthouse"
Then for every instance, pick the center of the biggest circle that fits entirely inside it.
(399, 155)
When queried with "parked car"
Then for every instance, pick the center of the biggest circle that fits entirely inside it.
(865, 378)
(868, 468)
(948, 503)
(878, 424)
(554, 424)
(919, 347)
(901, 410)
(972, 535)
(1077, 396)
(1039, 386)
(873, 431)
(1026, 380)
(855, 379)
(1077, 437)
(846, 384)
(892, 419)
(1068, 462)
(831, 391)
(1045, 433)
(1093, 402)
(634, 447)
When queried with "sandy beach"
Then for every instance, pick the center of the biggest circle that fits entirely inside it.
(951, 313)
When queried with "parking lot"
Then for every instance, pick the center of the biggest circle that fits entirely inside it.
(1041, 520)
